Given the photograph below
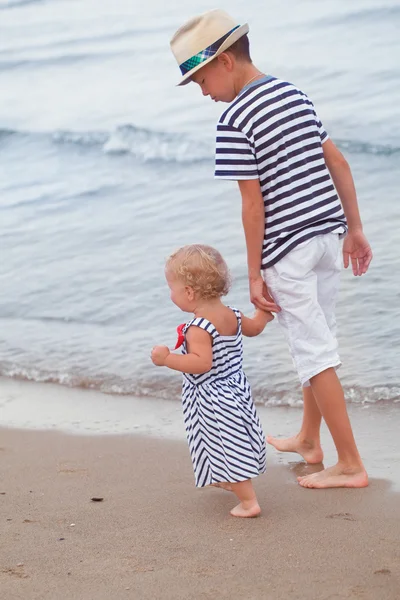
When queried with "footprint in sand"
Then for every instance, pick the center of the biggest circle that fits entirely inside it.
(70, 470)
(15, 572)
(343, 516)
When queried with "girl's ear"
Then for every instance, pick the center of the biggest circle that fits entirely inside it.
(189, 293)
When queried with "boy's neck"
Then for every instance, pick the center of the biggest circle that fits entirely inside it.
(246, 73)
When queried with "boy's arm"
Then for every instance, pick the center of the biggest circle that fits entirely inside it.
(355, 245)
(197, 361)
(256, 325)
(253, 218)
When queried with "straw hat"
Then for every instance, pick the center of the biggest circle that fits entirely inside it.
(203, 38)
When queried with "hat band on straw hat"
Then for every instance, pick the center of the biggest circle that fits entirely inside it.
(205, 54)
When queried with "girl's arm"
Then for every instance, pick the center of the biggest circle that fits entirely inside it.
(198, 360)
(256, 325)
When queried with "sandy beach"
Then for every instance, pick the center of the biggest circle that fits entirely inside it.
(155, 536)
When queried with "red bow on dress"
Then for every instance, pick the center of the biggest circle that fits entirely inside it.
(181, 337)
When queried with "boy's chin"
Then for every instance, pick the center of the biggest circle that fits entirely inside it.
(230, 98)
(226, 99)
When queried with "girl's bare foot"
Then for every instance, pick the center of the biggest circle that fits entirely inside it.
(246, 510)
(334, 477)
(224, 485)
(311, 452)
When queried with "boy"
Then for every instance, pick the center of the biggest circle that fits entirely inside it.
(271, 141)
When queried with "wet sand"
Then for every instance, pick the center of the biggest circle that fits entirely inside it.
(154, 536)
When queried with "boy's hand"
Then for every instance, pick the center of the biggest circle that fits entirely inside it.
(357, 249)
(159, 355)
(259, 296)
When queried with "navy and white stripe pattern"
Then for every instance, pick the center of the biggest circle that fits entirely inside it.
(271, 132)
(224, 433)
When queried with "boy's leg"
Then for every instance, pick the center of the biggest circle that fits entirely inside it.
(248, 506)
(327, 390)
(349, 470)
(296, 272)
(294, 285)
(307, 441)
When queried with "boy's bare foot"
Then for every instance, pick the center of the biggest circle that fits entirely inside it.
(224, 485)
(311, 453)
(335, 477)
(246, 511)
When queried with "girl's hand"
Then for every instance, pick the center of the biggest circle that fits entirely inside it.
(256, 325)
(159, 355)
(263, 316)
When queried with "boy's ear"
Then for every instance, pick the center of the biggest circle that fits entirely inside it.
(226, 59)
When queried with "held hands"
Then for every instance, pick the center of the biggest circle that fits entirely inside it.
(159, 355)
(264, 316)
(260, 297)
(357, 249)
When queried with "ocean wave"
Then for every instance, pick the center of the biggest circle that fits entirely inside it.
(7, 4)
(5, 133)
(169, 389)
(143, 144)
(358, 147)
(105, 383)
(74, 40)
(9, 65)
(148, 145)
(368, 15)
(10, 315)
(60, 59)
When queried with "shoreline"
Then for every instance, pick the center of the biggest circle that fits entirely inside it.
(46, 407)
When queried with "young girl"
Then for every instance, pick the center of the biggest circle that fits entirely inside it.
(225, 437)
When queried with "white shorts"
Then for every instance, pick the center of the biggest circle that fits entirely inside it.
(305, 284)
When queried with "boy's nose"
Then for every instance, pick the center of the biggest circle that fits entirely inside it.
(205, 93)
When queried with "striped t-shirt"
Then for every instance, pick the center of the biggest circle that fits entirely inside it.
(271, 132)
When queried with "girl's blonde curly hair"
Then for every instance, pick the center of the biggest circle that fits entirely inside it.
(202, 268)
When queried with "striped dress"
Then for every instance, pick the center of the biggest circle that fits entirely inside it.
(225, 437)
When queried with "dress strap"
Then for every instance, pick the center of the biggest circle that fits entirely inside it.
(238, 316)
(237, 312)
(203, 324)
